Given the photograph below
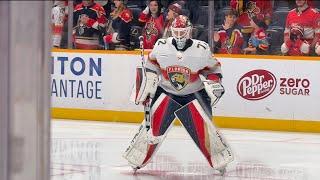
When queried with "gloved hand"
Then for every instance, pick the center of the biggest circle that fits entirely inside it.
(286, 46)
(147, 88)
(107, 38)
(215, 90)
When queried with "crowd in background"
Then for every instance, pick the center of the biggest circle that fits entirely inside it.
(288, 27)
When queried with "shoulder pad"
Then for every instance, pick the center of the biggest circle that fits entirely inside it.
(126, 15)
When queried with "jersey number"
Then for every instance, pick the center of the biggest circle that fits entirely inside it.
(162, 42)
(201, 45)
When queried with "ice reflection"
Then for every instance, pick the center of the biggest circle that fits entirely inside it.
(76, 159)
(83, 151)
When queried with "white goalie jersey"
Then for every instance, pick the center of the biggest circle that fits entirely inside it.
(179, 70)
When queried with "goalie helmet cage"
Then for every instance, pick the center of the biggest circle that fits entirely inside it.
(25, 90)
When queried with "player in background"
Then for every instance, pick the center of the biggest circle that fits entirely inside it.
(184, 82)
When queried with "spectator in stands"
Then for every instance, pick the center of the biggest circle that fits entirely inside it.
(174, 10)
(248, 9)
(118, 32)
(89, 23)
(258, 42)
(154, 23)
(229, 39)
(107, 6)
(311, 3)
(295, 45)
(302, 18)
(58, 17)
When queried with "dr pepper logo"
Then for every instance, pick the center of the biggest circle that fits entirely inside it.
(257, 84)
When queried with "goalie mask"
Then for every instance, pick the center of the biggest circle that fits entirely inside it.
(181, 30)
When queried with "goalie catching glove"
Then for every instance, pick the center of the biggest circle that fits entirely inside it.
(214, 89)
(146, 84)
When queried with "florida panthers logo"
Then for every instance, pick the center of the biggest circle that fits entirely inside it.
(252, 9)
(151, 30)
(179, 76)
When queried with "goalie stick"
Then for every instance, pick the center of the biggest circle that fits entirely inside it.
(145, 130)
(147, 103)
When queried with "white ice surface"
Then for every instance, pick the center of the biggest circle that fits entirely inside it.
(83, 150)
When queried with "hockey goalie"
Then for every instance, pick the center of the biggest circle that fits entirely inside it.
(180, 80)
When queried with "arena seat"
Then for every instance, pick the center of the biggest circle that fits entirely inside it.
(279, 17)
(275, 37)
(135, 12)
(186, 12)
(203, 16)
(281, 4)
(203, 34)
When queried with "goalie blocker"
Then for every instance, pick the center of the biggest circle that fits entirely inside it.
(146, 84)
(194, 113)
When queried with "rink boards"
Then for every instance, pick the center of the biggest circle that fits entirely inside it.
(262, 92)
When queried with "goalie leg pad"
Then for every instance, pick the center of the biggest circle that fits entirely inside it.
(140, 150)
(137, 150)
(208, 139)
(162, 114)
